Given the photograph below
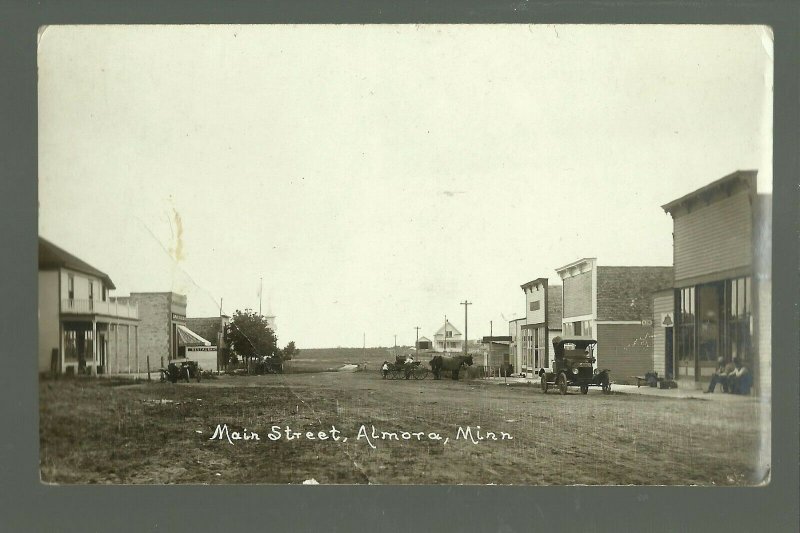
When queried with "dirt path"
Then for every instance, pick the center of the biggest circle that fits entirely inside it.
(95, 432)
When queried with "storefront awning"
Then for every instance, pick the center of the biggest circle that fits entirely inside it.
(187, 337)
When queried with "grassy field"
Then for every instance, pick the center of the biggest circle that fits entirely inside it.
(321, 359)
(109, 431)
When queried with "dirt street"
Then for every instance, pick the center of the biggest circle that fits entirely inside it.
(110, 431)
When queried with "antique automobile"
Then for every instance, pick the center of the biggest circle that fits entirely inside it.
(573, 365)
(181, 369)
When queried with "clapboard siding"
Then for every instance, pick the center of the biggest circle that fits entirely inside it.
(662, 303)
(625, 349)
(578, 295)
(713, 238)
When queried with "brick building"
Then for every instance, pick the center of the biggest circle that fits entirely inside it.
(162, 329)
(614, 305)
(722, 282)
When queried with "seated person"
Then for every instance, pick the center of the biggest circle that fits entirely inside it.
(721, 375)
(740, 380)
(409, 359)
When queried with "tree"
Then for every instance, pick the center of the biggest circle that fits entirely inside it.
(249, 335)
(289, 351)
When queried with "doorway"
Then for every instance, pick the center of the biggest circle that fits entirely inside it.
(669, 362)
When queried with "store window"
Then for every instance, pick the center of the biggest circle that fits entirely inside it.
(684, 323)
(740, 323)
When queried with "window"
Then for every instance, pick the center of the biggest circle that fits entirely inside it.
(739, 331)
(71, 287)
(449, 334)
(535, 305)
(91, 290)
(576, 328)
(104, 293)
(684, 323)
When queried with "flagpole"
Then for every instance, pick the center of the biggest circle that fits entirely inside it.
(260, 293)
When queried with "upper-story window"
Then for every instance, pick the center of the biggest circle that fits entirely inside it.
(70, 286)
(91, 290)
(448, 334)
(535, 305)
(104, 293)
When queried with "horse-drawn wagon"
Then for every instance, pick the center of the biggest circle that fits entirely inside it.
(184, 370)
(573, 364)
(404, 368)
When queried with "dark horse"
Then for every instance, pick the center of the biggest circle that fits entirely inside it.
(453, 364)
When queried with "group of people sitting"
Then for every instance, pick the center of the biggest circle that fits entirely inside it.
(734, 377)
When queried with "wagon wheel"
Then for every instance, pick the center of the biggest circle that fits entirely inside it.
(561, 383)
(544, 383)
(421, 373)
(584, 389)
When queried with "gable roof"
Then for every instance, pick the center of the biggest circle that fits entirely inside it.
(51, 256)
(450, 327)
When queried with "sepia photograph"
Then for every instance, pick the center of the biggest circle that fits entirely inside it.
(405, 254)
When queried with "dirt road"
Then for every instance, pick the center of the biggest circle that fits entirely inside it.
(466, 432)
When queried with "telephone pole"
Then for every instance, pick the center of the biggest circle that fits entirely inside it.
(395, 345)
(416, 344)
(444, 339)
(260, 292)
(466, 335)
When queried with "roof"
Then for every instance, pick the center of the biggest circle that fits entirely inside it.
(51, 256)
(496, 338)
(581, 261)
(424, 339)
(722, 183)
(188, 337)
(537, 281)
(449, 327)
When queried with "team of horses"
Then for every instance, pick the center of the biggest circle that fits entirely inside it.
(441, 364)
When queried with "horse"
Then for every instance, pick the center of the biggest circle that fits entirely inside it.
(453, 364)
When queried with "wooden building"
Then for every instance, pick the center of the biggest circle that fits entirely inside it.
(721, 274)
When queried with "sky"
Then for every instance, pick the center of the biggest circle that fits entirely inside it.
(374, 177)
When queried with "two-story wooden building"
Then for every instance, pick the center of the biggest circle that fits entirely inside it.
(542, 323)
(613, 304)
(82, 330)
(448, 339)
(722, 281)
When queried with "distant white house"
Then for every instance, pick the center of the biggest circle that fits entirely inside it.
(448, 339)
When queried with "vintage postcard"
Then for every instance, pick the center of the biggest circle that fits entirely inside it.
(405, 254)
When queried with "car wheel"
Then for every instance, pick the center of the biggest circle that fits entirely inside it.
(562, 383)
(544, 383)
(584, 389)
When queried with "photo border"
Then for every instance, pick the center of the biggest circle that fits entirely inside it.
(28, 505)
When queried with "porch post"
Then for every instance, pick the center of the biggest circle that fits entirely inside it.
(116, 344)
(94, 347)
(61, 357)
